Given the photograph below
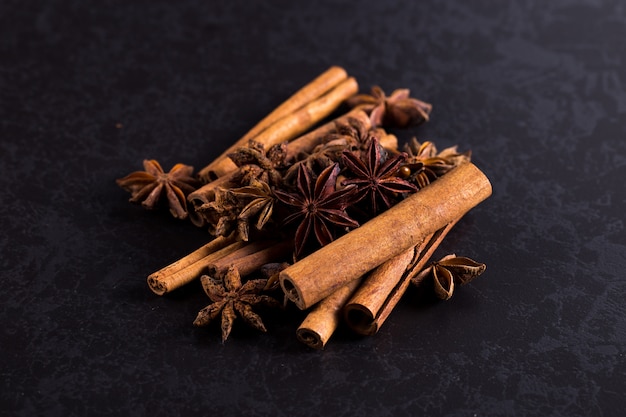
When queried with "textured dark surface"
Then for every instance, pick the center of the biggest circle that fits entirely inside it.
(537, 90)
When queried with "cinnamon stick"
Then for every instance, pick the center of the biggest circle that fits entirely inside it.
(251, 257)
(180, 272)
(390, 233)
(307, 142)
(320, 87)
(323, 320)
(381, 290)
(290, 126)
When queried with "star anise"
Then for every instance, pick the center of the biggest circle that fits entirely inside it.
(424, 164)
(346, 135)
(396, 110)
(231, 299)
(353, 131)
(149, 186)
(319, 206)
(258, 202)
(376, 177)
(448, 272)
(221, 213)
(255, 162)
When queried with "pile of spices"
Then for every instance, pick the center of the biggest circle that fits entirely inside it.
(334, 217)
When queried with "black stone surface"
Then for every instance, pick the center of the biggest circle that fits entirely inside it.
(88, 89)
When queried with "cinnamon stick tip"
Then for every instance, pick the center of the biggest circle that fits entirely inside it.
(360, 319)
(339, 70)
(310, 338)
(291, 291)
(156, 285)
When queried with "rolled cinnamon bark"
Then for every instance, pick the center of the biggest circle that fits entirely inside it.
(324, 318)
(252, 257)
(289, 126)
(307, 142)
(381, 290)
(311, 91)
(387, 235)
(206, 193)
(180, 272)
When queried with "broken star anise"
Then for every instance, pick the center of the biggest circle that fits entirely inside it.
(149, 186)
(221, 213)
(255, 162)
(376, 177)
(319, 206)
(451, 270)
(231, 299)
(396, 110)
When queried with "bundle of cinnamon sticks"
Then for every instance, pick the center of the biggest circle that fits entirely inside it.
(359, 277)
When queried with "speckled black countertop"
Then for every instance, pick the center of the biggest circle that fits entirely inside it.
(88, 89)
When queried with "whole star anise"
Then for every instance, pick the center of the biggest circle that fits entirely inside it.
(424, 164)
(396, 110)
(376, 177)
(258, 202)
(346, 135)
(319, 206)
(150, 185)
(231, 299)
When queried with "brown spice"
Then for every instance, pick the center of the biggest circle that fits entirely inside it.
(231, 299)
(149, 186)
(161, 281)
(391, 233)
(449, 271)
(324, 318)
(396, 110)
(320, 208)
(252, 256)
(165, 283)
(289, 126)
(381, 290)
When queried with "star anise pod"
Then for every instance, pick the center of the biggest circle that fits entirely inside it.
(376, 177)
(424, 164)
(448, 272)
(259, 204)
(149, 186)
(346, 135)
(221, 213)
(318, 205)
(396, 110)
(260, 164)
(231, 299)
(354, 132)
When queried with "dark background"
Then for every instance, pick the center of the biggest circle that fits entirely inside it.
(88, 89)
